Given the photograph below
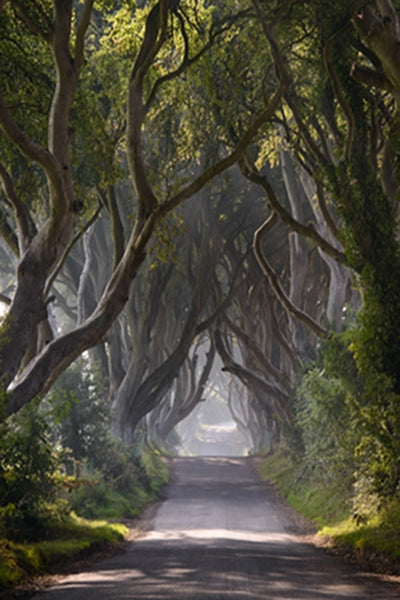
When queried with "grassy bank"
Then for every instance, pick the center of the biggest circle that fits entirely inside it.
(374, 539)
(71, 538)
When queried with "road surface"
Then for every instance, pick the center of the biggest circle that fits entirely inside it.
(221, 534)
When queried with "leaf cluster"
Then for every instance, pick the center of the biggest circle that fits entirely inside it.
(28, 475)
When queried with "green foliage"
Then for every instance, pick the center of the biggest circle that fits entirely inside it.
(28, 470)
(70, 431)
(323, 415)
(348, 426)
(106, 478)
(155, 467)
(121, 487)
(374, 537)
(79, 416)
(320, 501)
(326, 408)
(124, 492)
(371, 532)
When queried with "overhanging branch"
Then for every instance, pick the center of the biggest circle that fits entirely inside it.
(274, 282)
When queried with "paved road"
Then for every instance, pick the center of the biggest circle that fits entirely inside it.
(220, 535)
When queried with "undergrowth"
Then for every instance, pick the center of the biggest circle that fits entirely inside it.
(72, 537)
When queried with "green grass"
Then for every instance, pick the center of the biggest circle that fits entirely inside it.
(328, 506)
(380, 535)
(155, 467)
(101, 501)
(321, 503)
(74, 538)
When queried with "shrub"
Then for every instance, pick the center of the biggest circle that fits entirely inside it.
(28, 475)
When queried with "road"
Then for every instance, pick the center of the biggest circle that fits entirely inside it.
(221, 534)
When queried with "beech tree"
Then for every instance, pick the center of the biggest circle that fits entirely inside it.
(339, 119)
(61, 32)
(343, 153)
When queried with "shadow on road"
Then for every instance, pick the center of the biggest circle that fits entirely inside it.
(221, 534)
(225, 569)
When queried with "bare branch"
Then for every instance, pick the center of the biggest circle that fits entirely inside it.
(253, 347)
(382, 36)
(67, 250)
(371, 78)
(116, 223)
(274, 282)
(325, 211)
(154, 38)
(8, 234)
(5, 299)
(295, 225)
(20, 211)
(246, 375)
(389, 17)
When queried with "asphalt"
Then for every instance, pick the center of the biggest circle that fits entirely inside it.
(221, 534)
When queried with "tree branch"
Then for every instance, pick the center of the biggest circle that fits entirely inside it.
(20, 210)
(26, 146)
(327, 54)
(253, 347)
(247, 376)
(371, 78)
(231, 158)
(218, 29)
(67, 250)
(287, 218)
(31, 23)
(80, 34)
(274, 282)
(382, 35)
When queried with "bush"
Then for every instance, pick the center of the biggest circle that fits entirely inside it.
(124, 486)
(77, 409)
(28, 476)
(324, 418)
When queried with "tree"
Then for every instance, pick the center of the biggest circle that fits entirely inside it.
(343, 136)
(63, 34)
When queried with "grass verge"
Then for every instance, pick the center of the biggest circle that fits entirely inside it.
(72, 539)
(374, 542)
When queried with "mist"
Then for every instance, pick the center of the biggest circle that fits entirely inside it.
(210, 430)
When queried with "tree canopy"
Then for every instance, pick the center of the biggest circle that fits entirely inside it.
(176, 176)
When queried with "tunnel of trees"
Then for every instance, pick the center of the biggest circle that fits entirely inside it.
(197, 196)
